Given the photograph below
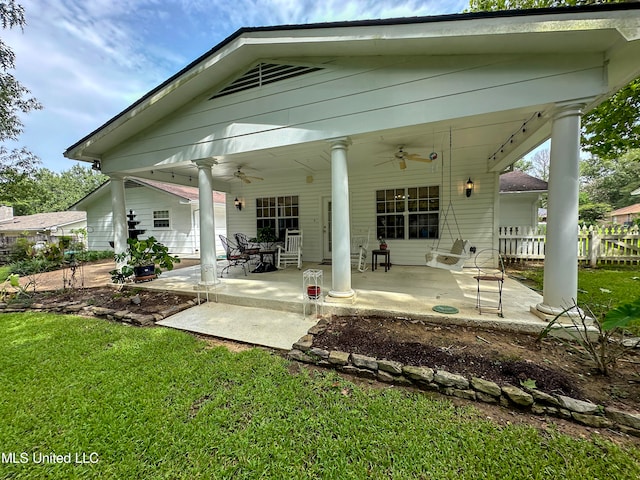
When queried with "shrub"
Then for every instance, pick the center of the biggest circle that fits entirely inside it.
(599, 338)
(33, 266)
(22, 249)
(5, 271)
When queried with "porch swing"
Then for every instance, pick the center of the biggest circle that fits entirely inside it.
(454, 258)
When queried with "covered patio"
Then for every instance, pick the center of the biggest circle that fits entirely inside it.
(401, 291)
(377, 126)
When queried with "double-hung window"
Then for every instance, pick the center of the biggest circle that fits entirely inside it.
(408, 213)
(161, 219)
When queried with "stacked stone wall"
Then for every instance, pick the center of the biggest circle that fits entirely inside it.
(473, 388)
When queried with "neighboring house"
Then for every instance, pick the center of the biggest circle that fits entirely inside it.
(378, 125)
(40, 227)
(519, 197)
(168, 212)
(626, 215)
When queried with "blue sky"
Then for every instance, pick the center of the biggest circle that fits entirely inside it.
(87, 60)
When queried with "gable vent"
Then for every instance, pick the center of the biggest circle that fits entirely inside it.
(263, 74)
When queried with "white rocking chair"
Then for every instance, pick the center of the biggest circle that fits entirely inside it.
(451, 260)
(359, 250)
(291, 253)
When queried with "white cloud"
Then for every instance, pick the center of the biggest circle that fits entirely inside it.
(88, 60)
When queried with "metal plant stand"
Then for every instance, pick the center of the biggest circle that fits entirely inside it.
(312, 290)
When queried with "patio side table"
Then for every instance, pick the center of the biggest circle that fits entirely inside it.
(383, 253)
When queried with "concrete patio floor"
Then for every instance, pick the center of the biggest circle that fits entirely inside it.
(406, 291)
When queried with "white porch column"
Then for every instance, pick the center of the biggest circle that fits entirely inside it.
(561, 254)
(207, 219)
(340, 228)
(119, 209)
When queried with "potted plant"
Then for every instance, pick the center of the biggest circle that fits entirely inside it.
(266, 237)
(146, 259)
(383, 243)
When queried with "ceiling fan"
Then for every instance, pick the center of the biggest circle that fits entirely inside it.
(401, 156)
(244, 177)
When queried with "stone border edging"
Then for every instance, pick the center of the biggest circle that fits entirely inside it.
(474, 388)
(87, 310)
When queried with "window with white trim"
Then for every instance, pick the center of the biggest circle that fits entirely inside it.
(279, 213)
(408, 213)
(161, 219)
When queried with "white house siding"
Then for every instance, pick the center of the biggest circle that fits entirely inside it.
(519, 209)
(220, 213)
(358, 95)
(182, 237)
(475, 215)
(310, 207)
(99, 222)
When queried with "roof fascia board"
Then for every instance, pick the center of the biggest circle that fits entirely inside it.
(536, 22)
(89, 195)
(59, 225)
(140, 181)
(99, 191)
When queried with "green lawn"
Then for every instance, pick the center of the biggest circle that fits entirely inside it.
(157, 403)
(601, 286)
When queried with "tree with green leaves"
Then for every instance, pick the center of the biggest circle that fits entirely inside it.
(611, 181)
(17, 170)
(613, 127)
(17, 166)
(54, 192)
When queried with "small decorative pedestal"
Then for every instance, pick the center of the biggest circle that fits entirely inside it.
(312, 290)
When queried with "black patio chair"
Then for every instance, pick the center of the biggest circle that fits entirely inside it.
(246, 247)
(234, 256)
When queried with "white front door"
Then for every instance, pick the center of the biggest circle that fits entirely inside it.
(326, 227)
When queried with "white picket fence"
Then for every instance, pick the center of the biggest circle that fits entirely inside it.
(612, 244)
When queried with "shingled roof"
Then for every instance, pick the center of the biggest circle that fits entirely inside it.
(41, 221)
(626, 210)
(187, 193)
(518, 181)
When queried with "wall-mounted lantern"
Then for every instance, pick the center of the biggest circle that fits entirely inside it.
(469, 187)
